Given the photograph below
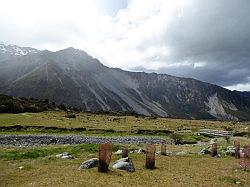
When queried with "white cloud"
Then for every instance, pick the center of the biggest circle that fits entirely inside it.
(240, 87)
(180, 37)
(128, 39)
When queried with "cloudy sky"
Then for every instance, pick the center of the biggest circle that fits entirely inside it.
(204, 39)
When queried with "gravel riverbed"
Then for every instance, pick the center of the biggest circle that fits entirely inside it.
(33, 140)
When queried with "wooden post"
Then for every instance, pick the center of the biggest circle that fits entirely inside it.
(105, 153)
(163, 149)
(237, 149)
(124, 152)
(150, 156)
(214, 151)
(245, 158)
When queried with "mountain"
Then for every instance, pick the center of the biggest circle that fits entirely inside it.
(8, 51)
(72, 77)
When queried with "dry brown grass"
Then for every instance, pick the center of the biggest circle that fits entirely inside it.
(191, 170)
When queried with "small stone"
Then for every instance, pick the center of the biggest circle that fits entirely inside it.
(169, 153)
(64, 155)
(205, 151)
(237, 182)
(218, 156)
(67, 157)
(182, 153)
(230, 152)
(158, 152)
(141, 151)
(59, 155)
(119, 152)
(212, 141)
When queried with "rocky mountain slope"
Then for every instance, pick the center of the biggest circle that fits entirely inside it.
(73, 77)
(8, 51)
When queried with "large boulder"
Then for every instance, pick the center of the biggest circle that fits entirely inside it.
(91, 163)
(127, 166)
(124, 164)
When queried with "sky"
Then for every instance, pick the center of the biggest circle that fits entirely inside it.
(208, 40)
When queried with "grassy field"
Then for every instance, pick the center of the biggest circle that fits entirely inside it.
(39, 167)
(116, 123)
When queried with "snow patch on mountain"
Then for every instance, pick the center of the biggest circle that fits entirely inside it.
(16, 50)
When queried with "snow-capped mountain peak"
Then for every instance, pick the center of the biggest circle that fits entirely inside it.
(15, 50)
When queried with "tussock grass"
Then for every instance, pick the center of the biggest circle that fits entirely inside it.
(192, 170)
(95, 124)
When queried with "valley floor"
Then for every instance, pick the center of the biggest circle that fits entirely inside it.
(97, 124)
(36, 165)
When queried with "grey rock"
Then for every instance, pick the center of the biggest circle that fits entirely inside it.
(124, 164)
(212, 141)
(169, 153)
(34, 140)
(67, 157)
(91, 163)
(182, 153)
(205, 151)
(218, 156)
(141, 151)
(127, 166)
(118, 152)
(64, 155)
(123, 160)
(230, 151)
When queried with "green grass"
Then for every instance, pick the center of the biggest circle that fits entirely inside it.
(125, 123)
(38, 166)
(93, 124)
(232, 180)
(33, 153)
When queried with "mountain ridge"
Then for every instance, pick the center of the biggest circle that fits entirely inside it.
(73, 77)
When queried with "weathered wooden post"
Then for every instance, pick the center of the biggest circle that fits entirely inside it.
(125, 152)
(245, 157)
(163, 149)
(105, 153)
(237, 149)
(150, 156)
(214, 151)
